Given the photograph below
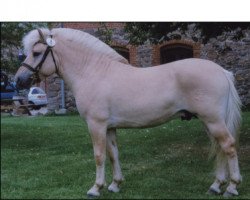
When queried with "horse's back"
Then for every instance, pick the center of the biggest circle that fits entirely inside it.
(193, 66)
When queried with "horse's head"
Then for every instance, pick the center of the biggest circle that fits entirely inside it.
(40, 61)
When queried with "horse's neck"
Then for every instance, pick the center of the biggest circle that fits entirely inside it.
(81, 68)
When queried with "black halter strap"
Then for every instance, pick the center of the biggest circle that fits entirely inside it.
(28, 67)
(41, 35)
(36, 69)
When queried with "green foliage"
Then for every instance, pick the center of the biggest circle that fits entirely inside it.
(51, 157)
(156, 32)
(105, 33)
(11, 41)
(10, 64)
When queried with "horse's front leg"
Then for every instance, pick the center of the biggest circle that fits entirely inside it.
(113, 154)
(98, 135)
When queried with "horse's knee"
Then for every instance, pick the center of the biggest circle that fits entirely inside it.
(99, 158)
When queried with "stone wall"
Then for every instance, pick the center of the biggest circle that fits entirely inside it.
(144, 56)
(53, 92)
(233, 56)
(53, 89)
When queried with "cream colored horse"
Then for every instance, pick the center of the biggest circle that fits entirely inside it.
(111, 94)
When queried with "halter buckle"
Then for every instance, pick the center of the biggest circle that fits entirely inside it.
(50, 42)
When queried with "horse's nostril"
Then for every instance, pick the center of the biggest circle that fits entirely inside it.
(20, 83)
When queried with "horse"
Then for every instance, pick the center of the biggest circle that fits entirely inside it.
(111, 94)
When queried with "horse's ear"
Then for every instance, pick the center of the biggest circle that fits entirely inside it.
(50, 42)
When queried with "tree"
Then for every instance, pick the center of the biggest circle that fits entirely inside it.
(11, 38)
(157, 32)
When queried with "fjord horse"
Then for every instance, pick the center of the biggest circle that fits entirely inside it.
(111, 94)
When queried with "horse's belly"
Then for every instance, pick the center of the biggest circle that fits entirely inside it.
(142, 120)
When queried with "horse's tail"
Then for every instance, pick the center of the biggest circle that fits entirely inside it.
(232, 112)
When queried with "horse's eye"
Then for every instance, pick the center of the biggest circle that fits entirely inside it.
(35, 54)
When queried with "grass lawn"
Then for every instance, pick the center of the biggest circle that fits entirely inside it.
(52, 157)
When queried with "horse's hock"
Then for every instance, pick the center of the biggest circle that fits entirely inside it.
(232, 55)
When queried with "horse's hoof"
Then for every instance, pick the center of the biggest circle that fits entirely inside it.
(113, 188)
(212, 191)
(94, 192)
(228, 194)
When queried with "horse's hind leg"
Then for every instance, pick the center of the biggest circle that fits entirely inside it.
(113, 154)
(227, 144)
(221, 173)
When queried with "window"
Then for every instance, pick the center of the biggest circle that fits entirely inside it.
(173, 52)
(35, 91)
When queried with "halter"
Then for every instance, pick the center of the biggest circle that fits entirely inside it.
(50, 44)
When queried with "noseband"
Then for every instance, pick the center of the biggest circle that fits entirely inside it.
(48, 50)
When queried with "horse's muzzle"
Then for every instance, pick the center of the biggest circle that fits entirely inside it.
(24, 81)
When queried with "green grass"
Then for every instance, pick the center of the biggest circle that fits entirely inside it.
(52, 157)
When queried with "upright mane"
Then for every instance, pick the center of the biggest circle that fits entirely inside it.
(79, 38)
(32, 38)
